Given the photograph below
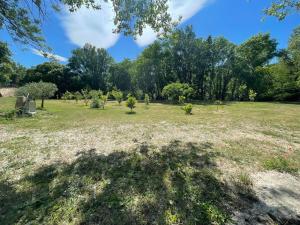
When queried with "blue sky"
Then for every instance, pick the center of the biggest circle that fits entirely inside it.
(236, 20)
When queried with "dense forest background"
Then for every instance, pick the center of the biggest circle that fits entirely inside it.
(215, 68)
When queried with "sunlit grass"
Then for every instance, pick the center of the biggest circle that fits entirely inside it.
(70, 164)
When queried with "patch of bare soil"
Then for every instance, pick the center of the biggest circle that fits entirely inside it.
(278, 200)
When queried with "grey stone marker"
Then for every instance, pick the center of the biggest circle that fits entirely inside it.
(25, 105)
(30, 107)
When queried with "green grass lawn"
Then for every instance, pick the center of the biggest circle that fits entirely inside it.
(70, 164)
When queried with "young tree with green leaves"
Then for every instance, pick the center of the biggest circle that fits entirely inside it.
(78, 96)
(86, 96)
(188, 109)
(40, 90)
(118, 96)
(103, 100)
(130, 103)
(252, 95)
(147, 99)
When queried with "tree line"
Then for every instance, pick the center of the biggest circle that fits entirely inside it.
(215, 68)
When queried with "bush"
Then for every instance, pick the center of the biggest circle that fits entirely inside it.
(118, 96)
(147, 99)
(174, 90)
(77, 96)
(103, 100)
(95, 94)
(280, 164)
(95, 104)
(86, 96)
(252, 95)
(130, 103)
(67, 96)
(188, 109)
(181, 100)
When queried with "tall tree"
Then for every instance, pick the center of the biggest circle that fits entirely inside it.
(150, 70)
(286, 73)
(92, 66)
(119, 76)
(182, 47)
(253, 55)
(53, 72)
(5, 63)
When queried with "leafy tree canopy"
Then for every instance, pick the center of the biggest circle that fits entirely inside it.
(92, 65)
(174, 90)
(282, 8)
(22, 19)
(40, 90)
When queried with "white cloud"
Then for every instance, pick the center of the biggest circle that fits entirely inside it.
(49, 55)
(91, 26)
(177, 8)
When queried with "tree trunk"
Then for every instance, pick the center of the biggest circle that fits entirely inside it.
(42, 105)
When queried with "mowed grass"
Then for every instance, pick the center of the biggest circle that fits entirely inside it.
(70, 164)
(68, 114)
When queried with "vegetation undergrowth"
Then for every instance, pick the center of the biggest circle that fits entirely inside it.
(177, 184)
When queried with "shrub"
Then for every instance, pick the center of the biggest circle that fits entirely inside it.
(103, 100)
(181, 100)
(252, 95)
(118, 96)
(95, 94)
(280, 164)
(40, 90)
(147, 99)
(77, 96)
(174, 90)
(86, 96)
(130, 103)
(95, 104)
(188, 109)
(67, 96)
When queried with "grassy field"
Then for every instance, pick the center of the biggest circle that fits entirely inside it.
(70, 164)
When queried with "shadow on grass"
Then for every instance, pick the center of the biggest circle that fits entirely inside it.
(131, 113)
(174, 185)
